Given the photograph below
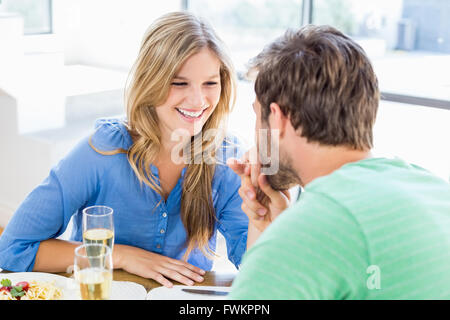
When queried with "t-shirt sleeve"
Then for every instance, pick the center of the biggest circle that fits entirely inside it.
(46, 211)
(314, 250)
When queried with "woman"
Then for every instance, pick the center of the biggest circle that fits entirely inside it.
(166, 211)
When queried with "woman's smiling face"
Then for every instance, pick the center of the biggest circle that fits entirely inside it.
(193, 95)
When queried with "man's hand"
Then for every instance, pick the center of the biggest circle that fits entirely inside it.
(263, 212)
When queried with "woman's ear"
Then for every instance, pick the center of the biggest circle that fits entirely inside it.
(277, 119)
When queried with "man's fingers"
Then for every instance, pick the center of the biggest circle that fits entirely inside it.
(247, 192)
(247, 170)
(237, 166)
(277, 198)
(253, 205)
(250, 213)
(247, 188)
(255, 170)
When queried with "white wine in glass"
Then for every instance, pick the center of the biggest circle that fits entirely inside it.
(98, 226)
(95, 284)
(93, 271)
(99, 236)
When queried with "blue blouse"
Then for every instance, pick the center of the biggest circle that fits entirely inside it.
(85, 178)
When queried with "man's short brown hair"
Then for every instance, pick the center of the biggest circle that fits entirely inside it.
(323, 81)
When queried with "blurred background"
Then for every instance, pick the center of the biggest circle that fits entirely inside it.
(64, 63)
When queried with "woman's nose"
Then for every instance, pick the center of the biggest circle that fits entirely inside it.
(196, 98)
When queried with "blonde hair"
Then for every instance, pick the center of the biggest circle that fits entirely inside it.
(166, 45)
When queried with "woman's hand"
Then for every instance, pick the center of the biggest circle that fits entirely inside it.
(155, 266)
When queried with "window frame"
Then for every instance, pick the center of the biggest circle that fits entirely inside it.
(307, 10)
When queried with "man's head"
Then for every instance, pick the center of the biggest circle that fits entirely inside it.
(322, 83)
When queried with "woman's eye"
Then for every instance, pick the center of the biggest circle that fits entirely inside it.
(211, 83)
(179, 84)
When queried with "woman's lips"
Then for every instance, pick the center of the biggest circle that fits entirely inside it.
(191, 115)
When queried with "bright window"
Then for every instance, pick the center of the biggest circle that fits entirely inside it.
(407, 40)
(247, 25)
(37, 14)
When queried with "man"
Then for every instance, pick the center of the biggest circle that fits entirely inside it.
(364, 227)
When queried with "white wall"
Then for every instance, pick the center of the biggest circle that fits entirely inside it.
(24, 162)
(34, 82)
(11, 46)
(107, 33)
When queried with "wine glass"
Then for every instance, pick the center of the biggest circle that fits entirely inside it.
(98, 225)
(93, 271)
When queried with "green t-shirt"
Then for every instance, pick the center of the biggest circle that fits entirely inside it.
(373, 229)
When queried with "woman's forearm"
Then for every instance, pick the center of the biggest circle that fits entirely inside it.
(55, 255)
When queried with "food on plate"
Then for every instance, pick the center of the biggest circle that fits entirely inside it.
(33, 290)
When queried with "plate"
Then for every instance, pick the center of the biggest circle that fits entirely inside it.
(65, 284)
(120, 290)
(175, 293)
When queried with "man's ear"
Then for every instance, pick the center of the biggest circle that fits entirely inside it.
(277, 119)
